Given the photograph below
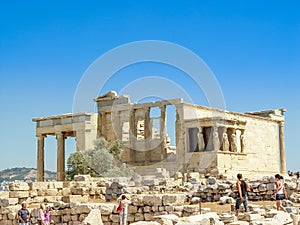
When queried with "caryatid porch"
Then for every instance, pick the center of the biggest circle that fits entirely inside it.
(81, 126)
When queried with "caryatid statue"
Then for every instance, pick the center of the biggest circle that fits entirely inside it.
(233, 146)
(243, 143)
(225, 142)
(216, 141)
(201, 144)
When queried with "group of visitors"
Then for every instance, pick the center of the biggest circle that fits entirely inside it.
(43, 215)
(294, 174)
(243, 188)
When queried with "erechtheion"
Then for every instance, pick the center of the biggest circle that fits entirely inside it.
(207, 140)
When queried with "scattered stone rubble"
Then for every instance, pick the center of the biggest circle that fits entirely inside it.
(169, 201)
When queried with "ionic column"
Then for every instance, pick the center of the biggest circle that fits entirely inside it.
(282, 149)
(132, 134)
(163, 130)
(147, 135)
(40, 157)
(177, 128)
(60, 156)
(147, 127)
(180, 136)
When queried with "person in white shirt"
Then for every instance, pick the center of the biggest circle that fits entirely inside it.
(280, 192)
(41, 216)
(125, 201)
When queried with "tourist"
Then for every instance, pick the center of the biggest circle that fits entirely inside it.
(47, 215)
(124, 201)
(280, 192)
(41, 215)
(242, 195)
(290, 173)
(23, 215)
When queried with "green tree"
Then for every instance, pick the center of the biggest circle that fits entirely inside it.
(77, 164)
(103, 160)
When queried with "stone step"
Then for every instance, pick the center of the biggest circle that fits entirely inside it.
(152, 171)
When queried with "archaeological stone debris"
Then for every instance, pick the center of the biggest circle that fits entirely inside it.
(174, 201)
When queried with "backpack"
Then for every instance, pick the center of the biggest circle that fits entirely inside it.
(120, 207)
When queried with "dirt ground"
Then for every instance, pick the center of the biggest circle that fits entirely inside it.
(218, 208)
(215, 206)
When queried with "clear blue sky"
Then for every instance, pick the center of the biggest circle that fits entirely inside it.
(253, 48)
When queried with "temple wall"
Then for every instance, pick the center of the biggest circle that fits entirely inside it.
(86, 136)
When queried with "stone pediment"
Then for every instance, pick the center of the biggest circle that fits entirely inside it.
(107, 96)
(111, 98)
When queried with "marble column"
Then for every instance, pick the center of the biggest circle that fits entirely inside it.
(40, 157)
(180, 136)
(132, 134)
(147, 135)
(177, 128)
(60, 156)
(163, 131)
(282, 149)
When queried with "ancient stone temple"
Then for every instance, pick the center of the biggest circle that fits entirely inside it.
(207, 140)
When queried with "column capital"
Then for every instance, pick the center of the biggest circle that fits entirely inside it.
(224, 129)
(41, 135)
(215, 127)
(147, 109)
(60, 135)
(162, 107)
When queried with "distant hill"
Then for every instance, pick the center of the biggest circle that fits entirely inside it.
(23, 174)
